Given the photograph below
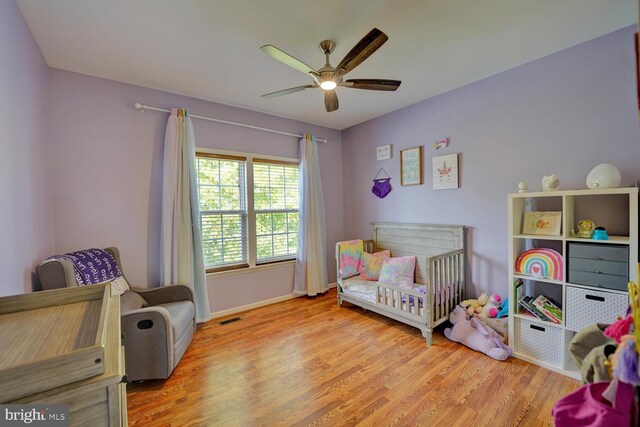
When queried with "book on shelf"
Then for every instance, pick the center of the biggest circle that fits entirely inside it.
(526, 303)
(518, 286)
(549, 308)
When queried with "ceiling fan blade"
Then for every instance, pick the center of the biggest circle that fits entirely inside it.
(372, 84)
(361, 51)
(330, 100)
(286, 59)
(288, 91)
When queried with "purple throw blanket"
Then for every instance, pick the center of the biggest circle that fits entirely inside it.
(92, 266)
(421, 289)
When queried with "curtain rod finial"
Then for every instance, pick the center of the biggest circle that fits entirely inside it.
(139, 106)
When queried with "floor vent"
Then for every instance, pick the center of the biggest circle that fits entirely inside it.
(233, 319)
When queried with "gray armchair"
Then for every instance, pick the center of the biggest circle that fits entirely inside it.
(158, 324)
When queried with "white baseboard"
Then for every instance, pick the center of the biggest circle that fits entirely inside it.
(258, 304)
(270, 301)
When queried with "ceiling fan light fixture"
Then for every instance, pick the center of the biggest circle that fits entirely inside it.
(328, 77)
(328, 85)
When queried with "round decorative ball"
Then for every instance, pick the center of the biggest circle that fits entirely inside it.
(605, 175)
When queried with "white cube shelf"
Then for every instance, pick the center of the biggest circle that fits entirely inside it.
(616, 209)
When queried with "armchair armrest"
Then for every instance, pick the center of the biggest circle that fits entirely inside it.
(165, 294)
(56, 274)
(148, 333)
(158, 315)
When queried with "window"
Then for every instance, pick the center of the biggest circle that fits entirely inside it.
(248, 210)
(276, 199)
(223, 209)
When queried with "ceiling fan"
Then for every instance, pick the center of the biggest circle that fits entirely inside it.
(328, 77)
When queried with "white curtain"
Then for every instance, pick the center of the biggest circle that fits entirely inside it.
(181, 256)
(311, 263)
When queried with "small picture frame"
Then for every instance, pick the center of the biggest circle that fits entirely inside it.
(411, 166)
(445, 172)
(383, 152)
(542, 223)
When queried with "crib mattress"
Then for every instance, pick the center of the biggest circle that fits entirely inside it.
(365, 290)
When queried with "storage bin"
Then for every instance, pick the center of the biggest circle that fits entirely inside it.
(539, 341)
(598, 265)
(585, 307)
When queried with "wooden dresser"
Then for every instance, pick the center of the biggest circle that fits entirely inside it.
(64, 347)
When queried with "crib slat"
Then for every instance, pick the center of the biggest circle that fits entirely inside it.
(447, 295)
(439, 287)
(440, 279)
(458, 281)
(436, 307)
(452, 284)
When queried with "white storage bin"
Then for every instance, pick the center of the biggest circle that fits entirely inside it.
(586, 307)
(539, 341)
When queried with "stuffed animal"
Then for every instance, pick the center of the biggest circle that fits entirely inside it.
(473, 334)
(504, 309)
(492, 307)
(474, 306)
(471, 305)
(485, 305)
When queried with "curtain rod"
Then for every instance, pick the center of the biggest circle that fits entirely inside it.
(143, 107)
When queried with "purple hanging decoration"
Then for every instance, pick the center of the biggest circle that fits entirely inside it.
(381, 186)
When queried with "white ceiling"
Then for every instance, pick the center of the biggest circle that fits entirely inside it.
(209, 49)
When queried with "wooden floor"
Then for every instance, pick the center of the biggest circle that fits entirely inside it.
(308, 362)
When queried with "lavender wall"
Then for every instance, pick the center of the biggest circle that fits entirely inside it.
(107, 175)
(25, 213)
(561, 114)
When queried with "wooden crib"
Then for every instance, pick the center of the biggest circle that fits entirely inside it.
(440, 256)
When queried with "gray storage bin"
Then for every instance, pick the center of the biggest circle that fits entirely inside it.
(598, 265)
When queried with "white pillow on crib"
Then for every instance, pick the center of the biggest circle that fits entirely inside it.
(398, 271)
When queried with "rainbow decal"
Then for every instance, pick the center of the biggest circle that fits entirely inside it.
(543, 263)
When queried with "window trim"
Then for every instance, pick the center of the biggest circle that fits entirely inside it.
(251, 213)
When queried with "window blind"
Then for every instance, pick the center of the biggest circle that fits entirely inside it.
(223, 210)
(276, 203)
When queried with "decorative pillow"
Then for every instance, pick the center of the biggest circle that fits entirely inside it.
(131, 301)
(373, 264)
(398, 271)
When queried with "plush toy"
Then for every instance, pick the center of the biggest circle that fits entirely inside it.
(473, 334)
(474, 306)
(471, 305)
(492, 307)
(504, 309)
(483, 299)
(485, 305)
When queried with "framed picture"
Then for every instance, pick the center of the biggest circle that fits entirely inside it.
(383, 152)
(542, 223)
(445, 172)
(411, 166)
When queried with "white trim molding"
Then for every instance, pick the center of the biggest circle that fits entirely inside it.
(247, 307)
(218, 314)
